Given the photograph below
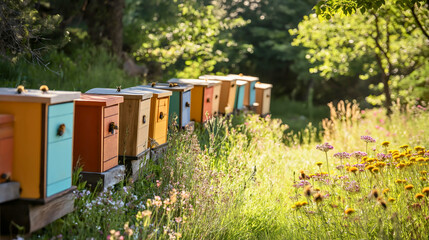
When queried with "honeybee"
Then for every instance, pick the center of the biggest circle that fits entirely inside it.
(20, 89)
(5, 176)
(153, 84)
(113, 127)
(61, 129)
(44, 88)
(118, 88)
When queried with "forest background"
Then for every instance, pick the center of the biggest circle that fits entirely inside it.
(374, 56)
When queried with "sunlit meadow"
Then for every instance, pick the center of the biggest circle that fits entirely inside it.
(247, 177)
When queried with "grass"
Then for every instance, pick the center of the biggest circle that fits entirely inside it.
(237, 179)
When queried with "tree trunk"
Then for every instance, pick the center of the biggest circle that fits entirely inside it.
(104, 21)
(386, 90)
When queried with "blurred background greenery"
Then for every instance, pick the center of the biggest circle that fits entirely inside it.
(376, 55)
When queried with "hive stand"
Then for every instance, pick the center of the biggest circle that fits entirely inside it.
(263, 98)
(43, 139)
(227, 92)
(33, 216)
(96, 139)
(158, 127)
(204, 97)
(239, 96)
(180, 102)
(250, 92)
(134, 118)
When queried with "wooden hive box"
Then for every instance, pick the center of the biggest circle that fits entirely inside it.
(227, 92)
(96, 132)
(204, 97)
(43, 140)
(250, 92)
(134, 116)
(160, 103)
(180, 101)
(263, 98)
(239, 96)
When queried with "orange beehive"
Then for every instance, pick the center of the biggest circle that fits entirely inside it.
(96, 132)
(263, 98)
(227, 92)
(134, 116)
(6, 146)
(43, 140)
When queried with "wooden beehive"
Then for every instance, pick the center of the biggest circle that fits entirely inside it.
(6, 147)
(43, 140)
(158, 126)
(203, 97)
(134, 116)
(96, 132)
(250, 93)
(180, 101)
(263, 98)
(227, 92)
(239, 96)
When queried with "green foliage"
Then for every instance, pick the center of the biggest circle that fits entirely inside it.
(84, 68)
(328, 8)
(187, 46)
(351, 46)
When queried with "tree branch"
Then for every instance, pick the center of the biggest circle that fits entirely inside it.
(413, 11)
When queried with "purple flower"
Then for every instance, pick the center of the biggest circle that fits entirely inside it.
(358, 154)
(367, 139)
(324, 147)
(339, 167)
(342, 155)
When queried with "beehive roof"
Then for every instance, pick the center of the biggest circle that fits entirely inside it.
(127, 94)
(37, 96)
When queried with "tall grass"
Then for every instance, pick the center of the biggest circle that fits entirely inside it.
(237, 179)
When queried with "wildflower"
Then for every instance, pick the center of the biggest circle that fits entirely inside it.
(358, 154)
(426, 191)
(419, 148)
(420, 159)
(409, 187)
(419, 196)
(380, 164)
(308, 190)
(391, 199)
(319, 164)
(146, 213)
(342, 155)
(400, 165)
(303, 203)
(370, 167)
(422, 179)
(375, 170)
(385, 144)
(404, 146)
(367, 139)
(382, 202)
(349, 211)
(178, 219)
(178, 235)
(317, 197)
(324, 147)
(385, 191)
(353, 169)
(374, 194)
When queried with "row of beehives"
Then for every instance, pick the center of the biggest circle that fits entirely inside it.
(43, 133)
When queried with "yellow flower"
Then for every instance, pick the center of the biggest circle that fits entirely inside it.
(409, 187)
(380, 164)
(370, 167)
(423, 172)
(319, 164)
(303, 203)
(398, 181)
(420, 159)
(391, 199)
(375, 170)
(422, 178)
(426, 191)
(419, 196)
(400, 165)
(365, 158)
(385, 191)
(404, 146)
(349, 211)
(317, 197)
(413, 159)
(419, 148)
(353, 169)
(385, 143)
